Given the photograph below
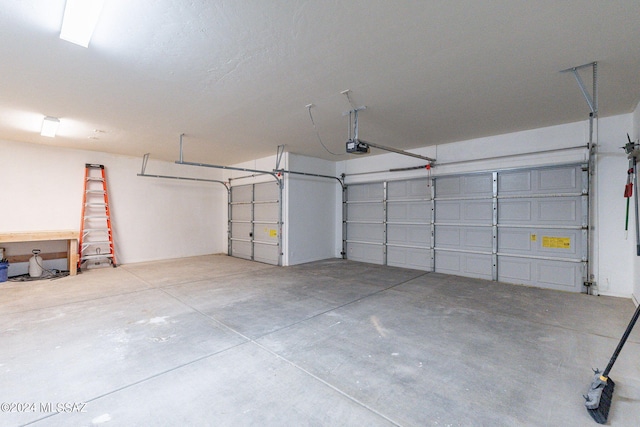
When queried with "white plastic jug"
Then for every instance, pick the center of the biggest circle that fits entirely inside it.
(35, 264)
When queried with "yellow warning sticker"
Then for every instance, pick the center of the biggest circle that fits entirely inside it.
(273, 233)
(534, 237)
(556, 242)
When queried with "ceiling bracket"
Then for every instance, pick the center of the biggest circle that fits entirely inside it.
(181, 135)
(279, 153)
(592, 99)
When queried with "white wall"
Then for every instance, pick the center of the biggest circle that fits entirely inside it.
(613, 259)
(309, 223)
(152, 218)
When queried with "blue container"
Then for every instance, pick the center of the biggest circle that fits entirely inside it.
(4, 271)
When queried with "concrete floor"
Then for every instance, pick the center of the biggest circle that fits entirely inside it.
(225, 342)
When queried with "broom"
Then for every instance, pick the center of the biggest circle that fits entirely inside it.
(598, 398)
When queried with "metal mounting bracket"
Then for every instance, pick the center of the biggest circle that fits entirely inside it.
(279, 153)
(592, 99)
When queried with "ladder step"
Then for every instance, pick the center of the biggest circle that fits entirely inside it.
(90, 230)
(105, 242)
(96, 256)
(95, 178)
(95, 191)
(96, 204)
(96, 217)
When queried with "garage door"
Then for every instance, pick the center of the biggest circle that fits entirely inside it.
(365, 223)
(390, 223)
(542, 227)
(464, 210)
(254, 222)
(524, 226)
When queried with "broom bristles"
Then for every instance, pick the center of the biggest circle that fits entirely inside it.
(601, 411)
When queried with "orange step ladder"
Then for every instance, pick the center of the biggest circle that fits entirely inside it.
(96, 232)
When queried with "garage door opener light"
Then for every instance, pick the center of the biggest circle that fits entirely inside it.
(50, 126)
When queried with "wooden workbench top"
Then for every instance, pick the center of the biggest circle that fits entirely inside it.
(33, 236)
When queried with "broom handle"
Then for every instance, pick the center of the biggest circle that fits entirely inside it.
(622, 341)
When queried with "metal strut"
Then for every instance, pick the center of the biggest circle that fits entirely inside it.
(592, 99)
(276, 173)
(145, 159)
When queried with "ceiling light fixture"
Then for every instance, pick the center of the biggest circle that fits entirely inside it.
(50, 126)
(79, 21)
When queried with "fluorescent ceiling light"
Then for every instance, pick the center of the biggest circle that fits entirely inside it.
(50, 126)
(79, 21)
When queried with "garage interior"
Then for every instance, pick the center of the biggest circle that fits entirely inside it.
(373, 213)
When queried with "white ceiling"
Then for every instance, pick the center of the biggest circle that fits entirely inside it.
(235, 76)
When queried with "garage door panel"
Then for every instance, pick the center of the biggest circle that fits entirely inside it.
(464, 264)
(565, 211)
(560, 180)
(448, 186)
(242, 193)
(365, 192)
(465, 211)
(241, 249)
(476, 185)
(563, 243)
(419, 259)
(409, 211)
(448, 211)
(240, 230)
(479, 266)
(365, 253)
(266, 212)
(267, 191)
(410, 189)
(478, 238)
(366, 232)
(266, 233)
(559, 275)
(416, 235)
(514, 270)
(448, 237)
(448, 262)
(478, 211)
(464, 238)
(241, 212)
(514, 182)
(559, 211)
(266, 253)
(365, 212)
(514, 211)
